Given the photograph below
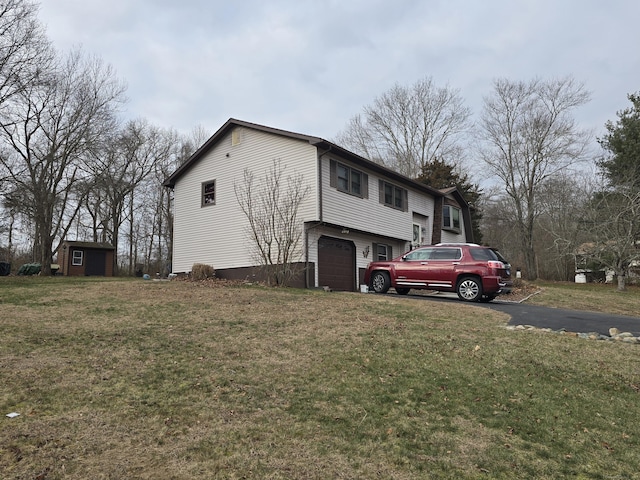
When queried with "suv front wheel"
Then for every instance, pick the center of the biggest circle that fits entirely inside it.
(469, 289)
(380, 282)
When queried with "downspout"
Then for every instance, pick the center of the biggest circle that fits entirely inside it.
(320, 220)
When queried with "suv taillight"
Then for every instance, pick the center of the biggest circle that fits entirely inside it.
(496, 264)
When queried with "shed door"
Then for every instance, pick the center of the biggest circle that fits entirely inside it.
(95, 262)
(336, 264)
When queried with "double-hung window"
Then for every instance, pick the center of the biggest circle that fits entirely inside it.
(451, 218)
(349, 180)
(381, 252)
(208, 195)
(393, 196)
(76, 257)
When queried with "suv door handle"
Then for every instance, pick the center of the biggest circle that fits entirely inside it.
(424, 263)
(455, 263)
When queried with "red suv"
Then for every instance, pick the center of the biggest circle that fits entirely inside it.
(474, 272)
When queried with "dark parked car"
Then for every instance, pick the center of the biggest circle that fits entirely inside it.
(474, 272)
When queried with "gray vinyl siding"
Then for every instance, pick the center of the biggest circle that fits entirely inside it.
(217, 234)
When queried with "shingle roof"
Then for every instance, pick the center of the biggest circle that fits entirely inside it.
(95, 245)
(315, 141)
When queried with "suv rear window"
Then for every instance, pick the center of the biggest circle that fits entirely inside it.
(481, 254)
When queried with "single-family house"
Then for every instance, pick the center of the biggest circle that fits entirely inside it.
(355, 211)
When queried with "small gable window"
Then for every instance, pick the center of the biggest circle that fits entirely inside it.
(209, 193)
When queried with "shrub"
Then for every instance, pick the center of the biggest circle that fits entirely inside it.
(200, 271)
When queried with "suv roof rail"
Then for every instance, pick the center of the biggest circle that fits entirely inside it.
(456, 244)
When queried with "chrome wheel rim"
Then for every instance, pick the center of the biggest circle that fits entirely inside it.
(469, 289)
(378, 283)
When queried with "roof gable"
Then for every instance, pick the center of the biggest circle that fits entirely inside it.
(323, 145)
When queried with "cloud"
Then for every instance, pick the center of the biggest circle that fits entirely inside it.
(309, 66)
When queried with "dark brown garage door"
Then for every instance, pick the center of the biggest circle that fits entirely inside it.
(336, 264)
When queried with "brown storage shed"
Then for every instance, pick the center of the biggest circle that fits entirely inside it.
(85, 258)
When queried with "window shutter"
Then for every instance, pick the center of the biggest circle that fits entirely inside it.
(381, 191)
(374, 257)
(390, 252)
(405, 203)
(365, 185)
(333, 176)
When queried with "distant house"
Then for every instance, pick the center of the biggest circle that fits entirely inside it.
(356, 210)
(85, 258)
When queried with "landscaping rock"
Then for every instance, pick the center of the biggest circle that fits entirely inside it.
(615, 335)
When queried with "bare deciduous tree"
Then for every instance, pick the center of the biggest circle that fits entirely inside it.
(117, 171)
(271, 206)
(48, 129)
(408, 127)
(530, 136)
(24, 48)
(559, 226)
(613, 221)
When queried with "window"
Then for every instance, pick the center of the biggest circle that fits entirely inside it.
(483, 254)
(381, 252)
(419, 254)
(76, 257)
(209, 193)
(348, 180)
(393, 196)
(446, 254)
(417, 235)
(451, 218)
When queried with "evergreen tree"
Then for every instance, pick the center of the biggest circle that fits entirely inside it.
(622, 142)
(439, 174)
(615, 211)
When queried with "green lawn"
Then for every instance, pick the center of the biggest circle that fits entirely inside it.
(130, 379)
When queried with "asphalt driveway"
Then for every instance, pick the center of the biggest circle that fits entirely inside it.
(546, 317)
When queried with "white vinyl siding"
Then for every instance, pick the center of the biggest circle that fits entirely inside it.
(368, 214)
(451, 237)
(217, 235)
(363, 243)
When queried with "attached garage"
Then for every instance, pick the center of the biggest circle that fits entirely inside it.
(336, 264)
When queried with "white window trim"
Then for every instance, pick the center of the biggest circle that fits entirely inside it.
(77, 256)
(452, 227)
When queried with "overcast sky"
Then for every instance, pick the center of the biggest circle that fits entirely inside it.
(309, 66)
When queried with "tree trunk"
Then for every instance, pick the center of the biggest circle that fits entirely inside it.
(622, 285)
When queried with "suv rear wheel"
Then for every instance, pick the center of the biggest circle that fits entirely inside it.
(469, 289)
(380, 282)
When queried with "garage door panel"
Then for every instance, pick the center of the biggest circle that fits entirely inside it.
(336, 264)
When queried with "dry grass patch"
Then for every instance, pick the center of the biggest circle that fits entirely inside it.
(135, 379)
(593, 297)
